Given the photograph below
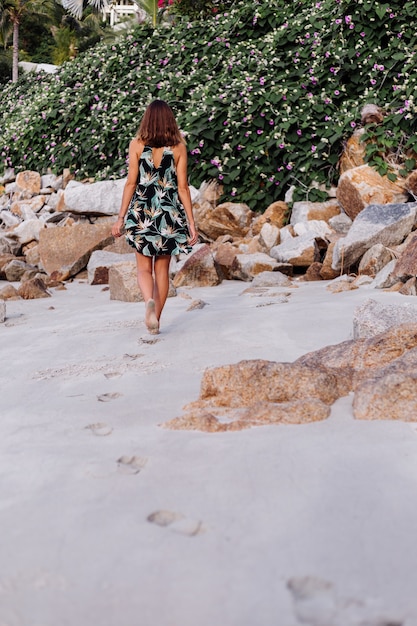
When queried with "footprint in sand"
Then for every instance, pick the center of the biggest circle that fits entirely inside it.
(99, 429)
(316, 603)
(106, 397)
(148, 342)
(176, 522)
(131, 464)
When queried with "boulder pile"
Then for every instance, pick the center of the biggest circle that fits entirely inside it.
(52, 228)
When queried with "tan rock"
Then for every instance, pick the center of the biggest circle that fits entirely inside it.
(29, 181)
(407, 262)
(361, 186)
(246, 266)
(4, 260)
(390, 393)
(100, 262)
(409, 287)
(318, 211)
(253, 381)
(224, 257)
(327, 272)
(226, 219)
(300, 251)
(65, 250)
(314, 271)
(353, 361)
(269, 236)
(32, 289)
(32, 254)
(276, 214)
(199, 270)
(119, 246)
(14, 270)
(264, 413)
(354, 152)
(375, 259)
(8, 292)
(123, 283)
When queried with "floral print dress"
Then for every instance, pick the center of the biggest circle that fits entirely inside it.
(155, 221)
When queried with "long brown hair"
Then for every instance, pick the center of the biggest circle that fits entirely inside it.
(158, 127)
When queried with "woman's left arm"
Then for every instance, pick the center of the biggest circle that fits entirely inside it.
(184, 190)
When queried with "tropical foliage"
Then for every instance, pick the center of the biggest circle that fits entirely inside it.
(265, 93)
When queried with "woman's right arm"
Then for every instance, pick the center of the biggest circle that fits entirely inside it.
(135, 150)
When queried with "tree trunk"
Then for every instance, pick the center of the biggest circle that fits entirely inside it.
(15, 69)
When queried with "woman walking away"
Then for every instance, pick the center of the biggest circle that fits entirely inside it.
(156, 205)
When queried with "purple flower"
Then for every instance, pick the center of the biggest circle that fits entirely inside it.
(362, 34)
(373, 81)
(220, 177)
(281, 146)
(313, 148)
(259, 132)
(271, 122)
(353, 124)
(262, 80)
(336, 92)
(299, 132)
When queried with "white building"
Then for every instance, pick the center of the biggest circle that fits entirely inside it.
(120, 9)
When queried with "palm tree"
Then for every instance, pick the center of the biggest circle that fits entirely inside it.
(76, 7)
(12, 12)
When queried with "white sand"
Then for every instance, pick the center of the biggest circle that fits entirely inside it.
(249, 510)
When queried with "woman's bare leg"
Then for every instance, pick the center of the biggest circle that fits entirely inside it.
(161, 283)
(146, 286)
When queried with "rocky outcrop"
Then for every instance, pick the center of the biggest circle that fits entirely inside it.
(60, 230)
(380, 370)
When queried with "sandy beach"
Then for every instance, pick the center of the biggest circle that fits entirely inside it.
(108, 519)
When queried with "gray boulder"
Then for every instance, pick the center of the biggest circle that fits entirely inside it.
(101, 198)
(372, 317)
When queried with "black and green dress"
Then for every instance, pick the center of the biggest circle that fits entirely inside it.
(156, 223)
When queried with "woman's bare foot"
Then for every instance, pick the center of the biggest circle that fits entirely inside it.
(151, 320)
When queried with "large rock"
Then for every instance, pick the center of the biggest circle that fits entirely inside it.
(101, 198)
(246, 266)
(252, 393)
(15, 269)
(300, 251)
(226, 219)
(353, 361)
(319, 228)
(406, 265)
(374, 260)
(386, 224)
(100, 262)
(360, 186)
(8, 292)
(199, 270)
(391, 393)
(65, 250)
(340, 223)
(27, 231)
(385, 278)
(224, 255)
(8, 219)
(123, 282)
(32, 289)
(276, 214)
(29, 182)
(269, 236)
(306, 211)
(326, 271)
(372, 318)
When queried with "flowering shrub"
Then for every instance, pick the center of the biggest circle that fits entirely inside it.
(265, 93)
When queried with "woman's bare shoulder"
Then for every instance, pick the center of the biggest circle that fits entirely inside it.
(180, 149)
(136, 146)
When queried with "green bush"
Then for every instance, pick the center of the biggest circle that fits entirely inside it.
(266, 93)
